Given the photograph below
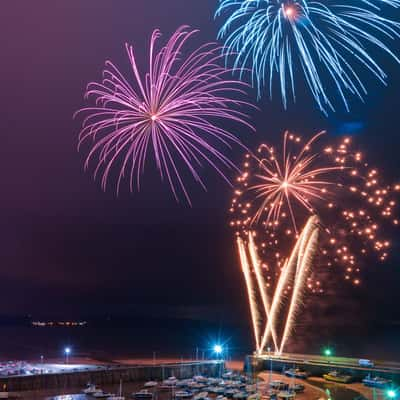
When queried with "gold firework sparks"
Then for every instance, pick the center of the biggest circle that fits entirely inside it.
(345, 210)
(281, 187)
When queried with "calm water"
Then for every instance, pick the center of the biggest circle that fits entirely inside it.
(338, 392)
(332, 391)
(179, 338)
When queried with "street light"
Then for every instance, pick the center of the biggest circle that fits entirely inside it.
(67, 352)
(218, 349)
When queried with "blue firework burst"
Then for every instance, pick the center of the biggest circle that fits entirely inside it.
(329, 43)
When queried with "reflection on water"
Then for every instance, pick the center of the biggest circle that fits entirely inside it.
(338, 392)
(69, 397)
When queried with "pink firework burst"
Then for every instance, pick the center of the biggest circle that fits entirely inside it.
(173, 111)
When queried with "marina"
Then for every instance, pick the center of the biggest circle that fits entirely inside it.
(184, 381)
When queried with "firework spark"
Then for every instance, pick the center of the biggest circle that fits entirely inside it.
(288, 178)
(171, 111)
(278, 189)
(352, 211)
(327, 41)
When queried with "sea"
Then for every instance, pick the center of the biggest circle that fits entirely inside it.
(109, 339)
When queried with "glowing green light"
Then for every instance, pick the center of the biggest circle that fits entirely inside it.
(328, 352)
(391, 394)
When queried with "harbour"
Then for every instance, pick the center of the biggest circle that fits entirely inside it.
(283, 379)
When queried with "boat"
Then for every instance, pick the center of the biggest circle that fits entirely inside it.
(250, 388)
(217, 389)
(254, 396)
(150, 384)
(101, 395)
(296, 373)
(196, 385)
(90, 389)
(240, 395)
(278, 385)
(270, 393)
(286, 395)
(200, 378)
(376, 382)
(297, 388)
(183, 394)
(170, 382)
(230, 392)
(142, 394)
(201, 396)
(335, 376)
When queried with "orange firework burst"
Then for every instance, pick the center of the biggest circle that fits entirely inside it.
(284, 179)
(281, 187)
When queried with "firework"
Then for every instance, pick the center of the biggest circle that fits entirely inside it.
(172, 111)
(251, 292)
(293, 272)
(285, 179)
(343, 203)
(322, 45)
(280, 188)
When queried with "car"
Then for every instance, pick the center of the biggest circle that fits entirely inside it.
(365, 363)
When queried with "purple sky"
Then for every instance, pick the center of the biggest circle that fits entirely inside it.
(63, 241)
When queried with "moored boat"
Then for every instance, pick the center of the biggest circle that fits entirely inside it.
(296, 373)
(297, 388)
(101, 395)
(183, 394)
(335, 376)
(286, 395)
(143, 394)
(150, 384)
(278, 385)
(376, 382)
(254, 396)
(201, 396)
(90, 389)
(240, 395)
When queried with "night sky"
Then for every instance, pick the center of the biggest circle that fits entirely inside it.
(68, 248)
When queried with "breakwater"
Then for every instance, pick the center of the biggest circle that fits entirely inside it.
(110, 374)
(319, 368)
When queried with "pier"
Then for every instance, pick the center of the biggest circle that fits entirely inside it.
(318, 365)
(110, 374)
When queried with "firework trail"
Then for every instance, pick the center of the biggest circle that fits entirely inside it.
(322, 45)
(261, 284)
(251, 293)
(280, 189)
(173, 111)
(308, 243)
(294, 270)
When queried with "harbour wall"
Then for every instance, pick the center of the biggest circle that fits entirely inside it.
(111, 374)
(254, 364)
